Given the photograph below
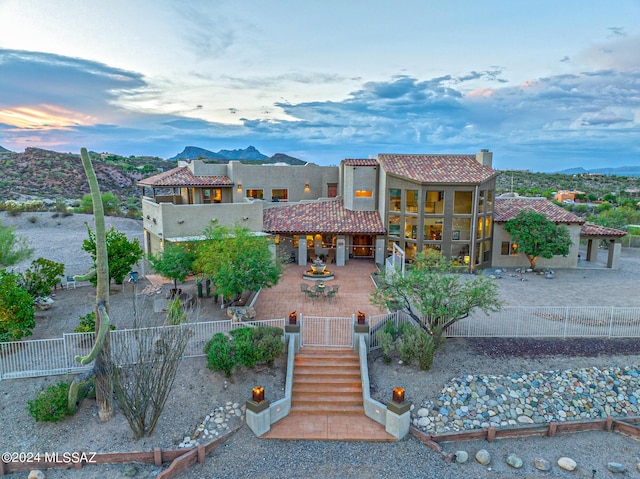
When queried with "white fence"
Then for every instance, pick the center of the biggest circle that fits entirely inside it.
(327, 331)
(45, 357)
(532, 322)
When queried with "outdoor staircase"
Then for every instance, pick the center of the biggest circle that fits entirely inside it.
(327, 381)
(326, 402)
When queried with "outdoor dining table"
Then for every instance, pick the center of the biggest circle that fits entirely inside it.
(321, 288)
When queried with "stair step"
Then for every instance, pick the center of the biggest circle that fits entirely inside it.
(338, 362)
(320, 389)
(324, 370)
(336, 400)
(324, 409)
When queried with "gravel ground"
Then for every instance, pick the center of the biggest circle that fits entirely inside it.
(197, 391)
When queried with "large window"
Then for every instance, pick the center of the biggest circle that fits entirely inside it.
(461, 229)
(332, 190)
(411, 201)
(462, 204)
(394, 225)
(434, 203)
(279, 194)
(410, 228)
(395, 200)
(509, 249)
(211, 195)
(257, 194)
(364, 194)
(432, 229)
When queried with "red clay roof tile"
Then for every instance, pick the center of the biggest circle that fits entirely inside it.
(436, 168)
(507, 208)
(320, 217)
(182, 176)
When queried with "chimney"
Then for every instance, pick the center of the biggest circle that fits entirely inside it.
(485, 157)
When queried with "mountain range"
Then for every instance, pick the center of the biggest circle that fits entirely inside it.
(247, 155)
(617, 171)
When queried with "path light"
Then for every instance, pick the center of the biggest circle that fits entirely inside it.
(293, 317)
(257, 394)
(362, 318)
(398, 395)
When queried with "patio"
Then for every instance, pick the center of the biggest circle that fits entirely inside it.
(354, 282)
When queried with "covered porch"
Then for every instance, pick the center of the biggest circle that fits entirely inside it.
(596, 235)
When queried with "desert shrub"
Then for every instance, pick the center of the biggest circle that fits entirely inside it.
(175, 313)
(245, 347)
(87, 323)
(55, 215)
(14, 212)
(408, 344)
(426, 349)
(50, 404)
(268, 343)
(220, 354)
(41, 277)
(245, 353)
(385, 339)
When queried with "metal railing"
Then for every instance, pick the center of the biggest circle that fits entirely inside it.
(553, 322)
(327, 331)
(44, 357)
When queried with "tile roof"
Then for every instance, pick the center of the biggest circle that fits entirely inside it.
(320, 217)
(360, 162)
(436, 168)
(589, 229)
(507, 208)
(182, 176)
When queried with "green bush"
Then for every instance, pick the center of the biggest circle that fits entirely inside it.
(51, 404)
(385, 339)
(426, 349)
(220, 354)
(244, 347)
(88, 323)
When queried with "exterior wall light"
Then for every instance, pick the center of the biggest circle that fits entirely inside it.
(398, 395)
(257, 394)
(306, 186)
(362, 318)
(293, 318)
(239, 185)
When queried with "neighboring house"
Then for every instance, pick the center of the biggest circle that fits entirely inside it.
(567, 196)
(506, 251)
(358, 209)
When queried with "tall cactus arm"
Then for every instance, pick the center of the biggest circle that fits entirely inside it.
(85, 277)
(100, 338)
(81, 387)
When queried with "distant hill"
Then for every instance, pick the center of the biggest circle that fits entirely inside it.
(248, 155)
(4, 150)
(618, 171)
(195, 153)
(49, 175)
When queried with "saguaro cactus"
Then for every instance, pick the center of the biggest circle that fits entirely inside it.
(100, 352)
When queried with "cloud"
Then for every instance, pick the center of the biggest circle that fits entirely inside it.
(582, 116)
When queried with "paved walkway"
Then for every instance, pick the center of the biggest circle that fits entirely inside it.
(355, 284)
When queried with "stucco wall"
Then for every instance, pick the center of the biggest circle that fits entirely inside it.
(360, 178)
(504, 261)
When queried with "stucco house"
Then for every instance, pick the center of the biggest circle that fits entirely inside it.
(359, 209)
(506, 252)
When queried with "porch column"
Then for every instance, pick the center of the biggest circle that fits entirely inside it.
(379, 253)
(302, 250)
(589, 248)
(341, 250)
(613, 259)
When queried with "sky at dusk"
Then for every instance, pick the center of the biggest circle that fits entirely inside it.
(544, 85)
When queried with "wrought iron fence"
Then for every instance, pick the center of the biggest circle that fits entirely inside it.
(327, 331)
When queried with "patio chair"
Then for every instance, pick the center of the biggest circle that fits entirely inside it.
(304, 287)
(312, 294)
(331, 294)
(71, 282)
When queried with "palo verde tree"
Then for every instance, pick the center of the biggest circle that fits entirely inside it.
(237, 260)
(433, 290)
(175, 263)
(13, 248)
(538, 237)
(122, 253)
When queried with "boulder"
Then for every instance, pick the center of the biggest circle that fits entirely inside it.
(461, 457)
(616, 467)
(483, 457)
(514, 461)
(567, 463)
(541, 464)
(35, 474)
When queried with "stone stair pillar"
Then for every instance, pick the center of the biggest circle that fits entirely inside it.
(398, 419)
(258, 417)
(360, 330)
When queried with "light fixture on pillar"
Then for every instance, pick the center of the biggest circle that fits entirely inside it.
(398, 395)
(239, 186)
(293, 318)
(257, 394)
(362, 318)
